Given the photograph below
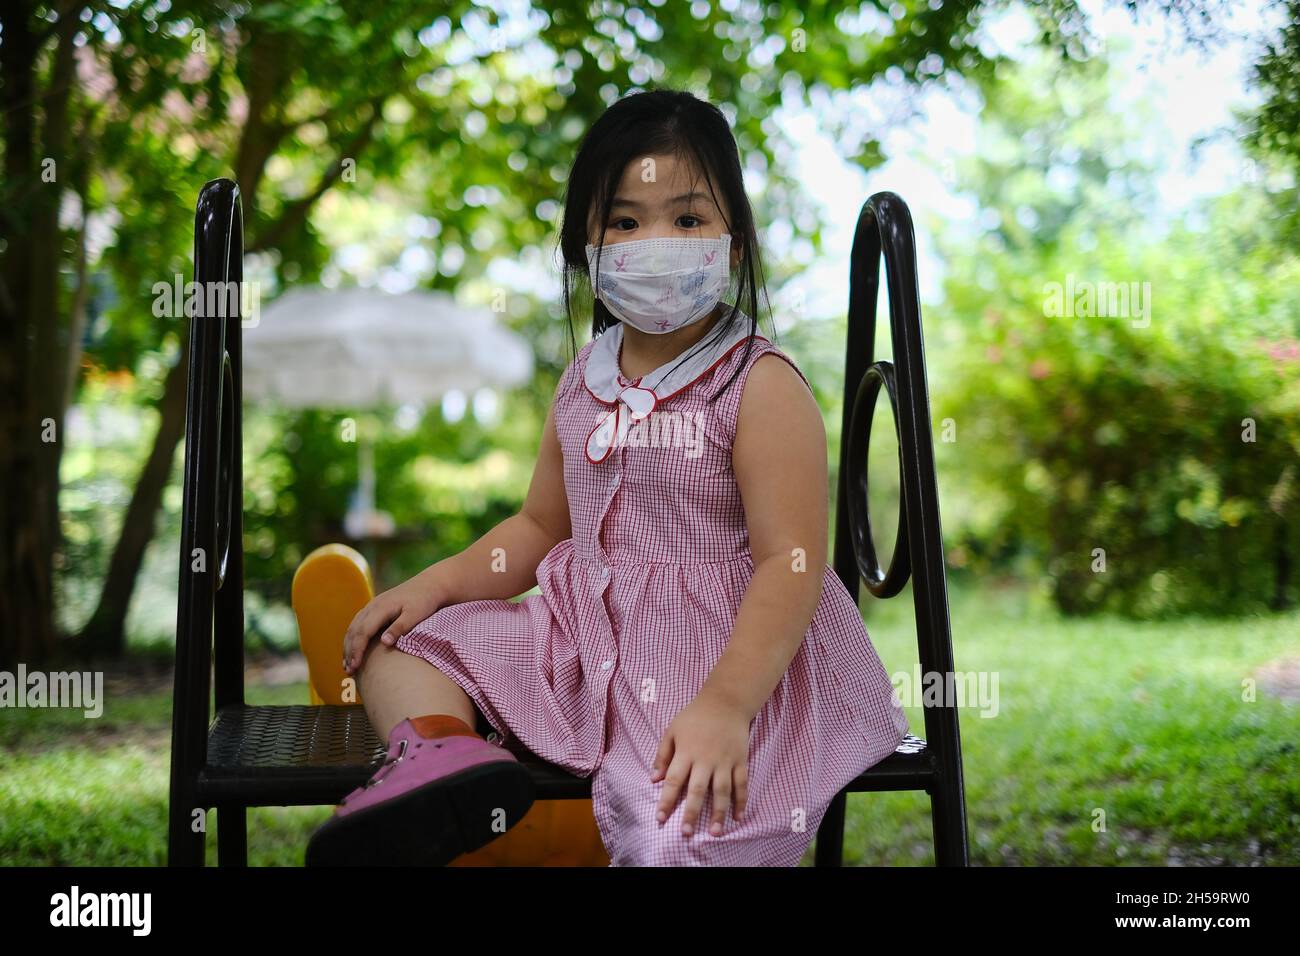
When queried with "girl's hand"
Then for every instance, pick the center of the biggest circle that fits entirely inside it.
(707, 742)
(389, 616)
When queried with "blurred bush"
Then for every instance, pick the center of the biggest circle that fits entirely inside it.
(1148, 464)
(1138, 450)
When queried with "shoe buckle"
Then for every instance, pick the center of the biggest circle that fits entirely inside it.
(385, 769)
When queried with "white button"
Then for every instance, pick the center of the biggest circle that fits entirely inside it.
(604, 574)
(606, 665)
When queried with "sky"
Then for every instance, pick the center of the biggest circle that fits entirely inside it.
(1195, 92)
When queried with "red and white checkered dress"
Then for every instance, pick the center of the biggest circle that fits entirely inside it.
(638, 605)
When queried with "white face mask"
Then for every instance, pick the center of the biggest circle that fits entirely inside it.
(660, 285)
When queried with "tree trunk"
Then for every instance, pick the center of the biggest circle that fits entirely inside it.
(47, 244)
(1282, 568)
(104, 635)
(27, 631)
(105, 632)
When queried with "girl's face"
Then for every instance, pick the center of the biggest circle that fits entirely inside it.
(663, 197)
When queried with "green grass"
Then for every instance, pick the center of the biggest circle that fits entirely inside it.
(1113, 743)
(78, 792)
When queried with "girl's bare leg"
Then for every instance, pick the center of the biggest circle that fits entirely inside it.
(396, 685)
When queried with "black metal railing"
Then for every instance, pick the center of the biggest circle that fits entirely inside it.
(885, 226)
(210, 605)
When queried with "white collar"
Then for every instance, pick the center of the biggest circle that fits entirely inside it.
(606, 382)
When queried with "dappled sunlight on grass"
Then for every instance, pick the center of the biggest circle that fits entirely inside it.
(77, 806)
(1113, 743)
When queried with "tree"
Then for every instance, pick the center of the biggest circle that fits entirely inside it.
(132, 108)
(1141, 459)
(1273, 131)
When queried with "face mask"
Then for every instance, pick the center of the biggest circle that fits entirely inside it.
(660, 285)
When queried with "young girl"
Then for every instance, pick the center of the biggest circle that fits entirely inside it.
(690, 650)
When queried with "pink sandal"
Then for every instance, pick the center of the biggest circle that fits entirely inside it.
(442, 792)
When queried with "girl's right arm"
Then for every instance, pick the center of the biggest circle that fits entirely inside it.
(501, 564)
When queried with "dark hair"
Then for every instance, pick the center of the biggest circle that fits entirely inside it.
(658, 122)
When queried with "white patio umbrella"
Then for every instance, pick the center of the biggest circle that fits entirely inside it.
(357, 348)
(360, 348)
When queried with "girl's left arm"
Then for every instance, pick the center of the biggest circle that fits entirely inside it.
(779, 459)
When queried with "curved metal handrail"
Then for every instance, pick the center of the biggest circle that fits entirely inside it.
(210, 592)
(226, 503)
(885, 226)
